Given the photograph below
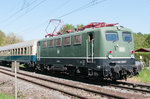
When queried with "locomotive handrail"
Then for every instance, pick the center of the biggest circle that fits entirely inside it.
(87, 50)
(92, 54)
(92, 50)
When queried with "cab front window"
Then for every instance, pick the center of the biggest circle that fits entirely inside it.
(127, 36)
(111, 36)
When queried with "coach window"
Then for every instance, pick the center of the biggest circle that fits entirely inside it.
(10, 52)
(7, 52)
(58, 42)
(21, 52)
(44, 44)
(18, 51)
(50, 43)
(25, 51)
(77, 39)
(31, 50)
(3, 53)
(13, 51)
(67, 41)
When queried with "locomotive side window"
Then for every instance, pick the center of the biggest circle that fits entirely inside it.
(127, 36)
(44, 44)
(67, 41)
(58, 42)
(77, 39)
(111, 36)
(51, 43)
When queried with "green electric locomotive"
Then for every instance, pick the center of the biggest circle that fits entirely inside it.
(98, 49)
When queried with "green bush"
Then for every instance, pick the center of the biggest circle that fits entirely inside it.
(145, 57)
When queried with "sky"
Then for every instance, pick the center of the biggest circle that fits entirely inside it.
(28, 19)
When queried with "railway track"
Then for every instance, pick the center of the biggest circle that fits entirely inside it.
(68, 89)
(133, 86)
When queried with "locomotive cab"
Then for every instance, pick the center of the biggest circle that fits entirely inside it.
(119, 53)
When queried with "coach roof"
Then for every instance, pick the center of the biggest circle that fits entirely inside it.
(19, 45)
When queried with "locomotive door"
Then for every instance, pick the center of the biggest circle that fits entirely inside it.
(38, 51)
(90, 47)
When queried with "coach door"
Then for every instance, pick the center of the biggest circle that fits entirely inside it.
(90, 47)
(38, 51)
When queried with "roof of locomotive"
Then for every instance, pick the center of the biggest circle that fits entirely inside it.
(115, 28)
(19, 45)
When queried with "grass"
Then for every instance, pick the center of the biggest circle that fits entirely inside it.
(6, 96)
(144, 75)
(22, 65)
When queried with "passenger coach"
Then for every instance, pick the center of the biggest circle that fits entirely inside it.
(24, 52)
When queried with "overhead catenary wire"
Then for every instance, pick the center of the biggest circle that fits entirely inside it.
(29, 10)
(20, 10)
(92, 3)
(45, 21)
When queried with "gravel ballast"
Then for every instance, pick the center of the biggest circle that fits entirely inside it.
(27, 90)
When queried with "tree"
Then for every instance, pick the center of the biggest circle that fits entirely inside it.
(2, 38)
(69, 27)
(139, 33)
(11, 38)
(80, 25)
(66, 27)
(146, 43)
(138, 40)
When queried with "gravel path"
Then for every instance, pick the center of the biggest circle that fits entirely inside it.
(27, 90)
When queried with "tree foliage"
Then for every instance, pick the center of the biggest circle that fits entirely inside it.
(11, 38)
(146, 43)
(79, 26)
(141, 40)
(66, 27)
(69, 27)
(2, 38)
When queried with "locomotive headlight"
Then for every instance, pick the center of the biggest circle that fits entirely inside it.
(110, 56)
(132, 56)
